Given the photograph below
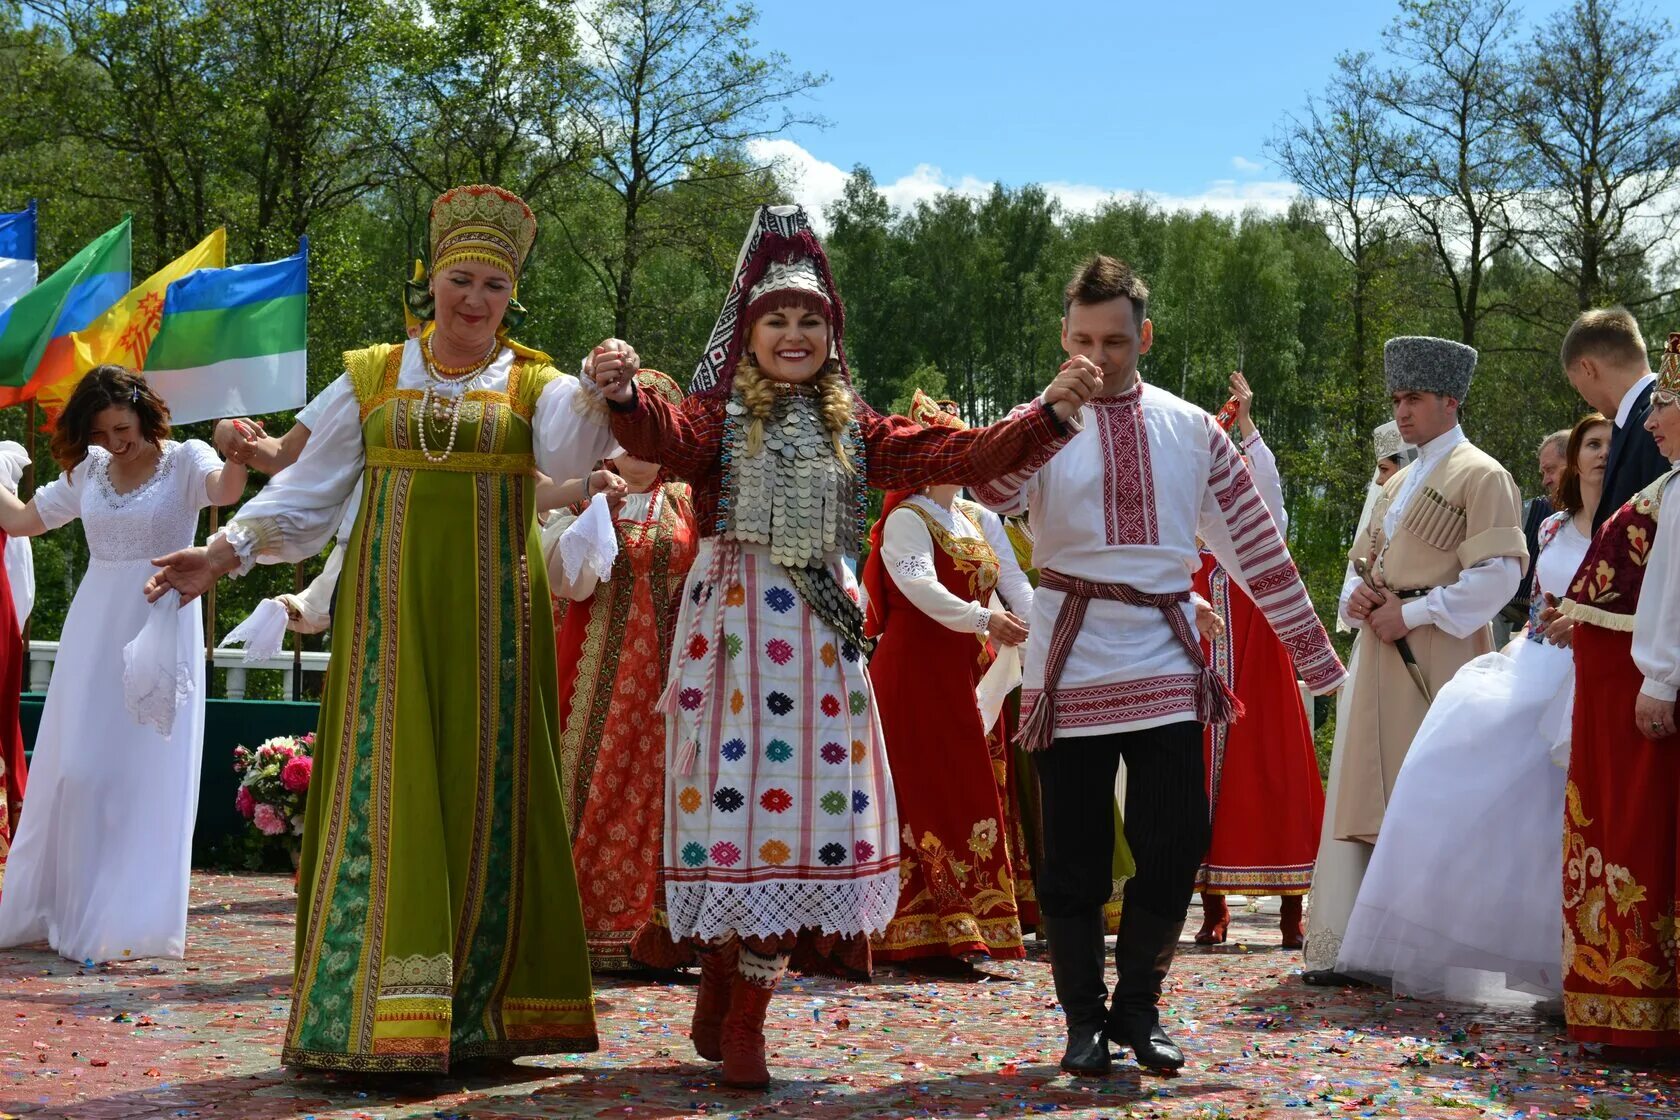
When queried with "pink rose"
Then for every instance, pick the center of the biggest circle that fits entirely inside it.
(295, 774)
(245, 803)
(268, 821)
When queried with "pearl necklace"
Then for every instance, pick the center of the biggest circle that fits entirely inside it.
(445, 408)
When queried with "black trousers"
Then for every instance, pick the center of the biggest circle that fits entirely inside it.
(1166, 819)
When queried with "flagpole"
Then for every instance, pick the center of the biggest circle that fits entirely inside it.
(210, 605)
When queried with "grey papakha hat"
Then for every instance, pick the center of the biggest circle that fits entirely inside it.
(1422, 364)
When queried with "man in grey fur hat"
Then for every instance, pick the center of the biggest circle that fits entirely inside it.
(1442, 553)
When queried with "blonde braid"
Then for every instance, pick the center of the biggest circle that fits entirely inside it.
(836, 408)
(758, 393)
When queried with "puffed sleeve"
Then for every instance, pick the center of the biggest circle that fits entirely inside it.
(14, 460)
(1656, 621)
(907, 552)
(294, 516)
(571, 428)
(198, 462)
(60, 501)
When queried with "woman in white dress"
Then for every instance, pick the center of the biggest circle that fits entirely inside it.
(1464, 895)
(99, 865)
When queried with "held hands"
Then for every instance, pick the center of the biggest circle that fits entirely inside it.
(612, 366)
(606, 482)
(1558, 628)
(1076, 382)
(191, 571)
(1006, 628)
(236, 440)
(1654, 718)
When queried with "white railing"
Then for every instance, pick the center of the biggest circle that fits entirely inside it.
(42, 655)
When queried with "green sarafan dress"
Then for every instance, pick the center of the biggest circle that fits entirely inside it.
(438, 915)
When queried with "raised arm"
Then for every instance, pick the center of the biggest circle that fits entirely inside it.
(903, 455)
(686, 440)
(1243, 537)
(19, 519)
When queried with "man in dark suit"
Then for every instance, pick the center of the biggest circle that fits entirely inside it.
(1605, 359)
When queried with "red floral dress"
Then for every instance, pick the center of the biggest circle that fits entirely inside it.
(1621, 874)
(957, 883)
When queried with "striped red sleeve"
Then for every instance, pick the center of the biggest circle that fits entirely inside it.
(685, 439)
(903, 455)
(1262, 558)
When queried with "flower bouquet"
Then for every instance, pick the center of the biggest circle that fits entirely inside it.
(274, 786)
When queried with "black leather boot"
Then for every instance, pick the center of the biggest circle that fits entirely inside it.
(1077, 959)
(1143, 953)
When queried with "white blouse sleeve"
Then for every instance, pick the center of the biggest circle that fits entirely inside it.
(294, 516)
(907, 551)
(1656, 621)
(14, 460)
(60, 501)
(571, 428)
(1262, 464)
(198, 461)
(1016, 588)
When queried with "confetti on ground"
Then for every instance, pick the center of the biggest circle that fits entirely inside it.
(201, 1038)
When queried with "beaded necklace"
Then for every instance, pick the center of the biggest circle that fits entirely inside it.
(445, 408)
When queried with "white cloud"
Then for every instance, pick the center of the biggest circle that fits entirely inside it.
(1246, 165)
(815, 183)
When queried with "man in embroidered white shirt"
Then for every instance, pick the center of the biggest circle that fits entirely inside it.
(1442, 554)
(1113, 667)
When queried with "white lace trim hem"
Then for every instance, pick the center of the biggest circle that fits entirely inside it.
(848, 907)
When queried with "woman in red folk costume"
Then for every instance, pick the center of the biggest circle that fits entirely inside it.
(1621, 874)
(779, 808)
(614, 642)
(930, 579)
(1265, 799)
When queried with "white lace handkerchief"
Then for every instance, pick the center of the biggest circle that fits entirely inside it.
(591, 540)
(1002, 677)
(262, 632)
(157, 670)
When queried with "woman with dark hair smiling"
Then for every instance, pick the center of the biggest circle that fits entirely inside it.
(99, 865)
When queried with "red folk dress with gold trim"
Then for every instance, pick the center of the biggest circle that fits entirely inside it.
(957, 884)
(1620, 870)
(613, 649)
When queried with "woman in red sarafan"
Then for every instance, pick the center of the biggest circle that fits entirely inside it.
(614, 642)
(1265, 798)
(1621, 872)
(930, 579)
(12, 769)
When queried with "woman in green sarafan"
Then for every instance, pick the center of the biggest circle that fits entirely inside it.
(438, 915)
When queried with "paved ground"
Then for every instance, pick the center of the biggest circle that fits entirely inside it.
(201, 1038)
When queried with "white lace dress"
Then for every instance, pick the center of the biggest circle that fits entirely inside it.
(100, 861)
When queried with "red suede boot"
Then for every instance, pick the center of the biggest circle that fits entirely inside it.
(743, 1036)
(1294, 930)
(717, 977)
(1216, 919)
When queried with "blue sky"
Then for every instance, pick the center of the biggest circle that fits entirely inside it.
(1175, 99)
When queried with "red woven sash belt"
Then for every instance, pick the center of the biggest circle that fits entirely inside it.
(1215, 702)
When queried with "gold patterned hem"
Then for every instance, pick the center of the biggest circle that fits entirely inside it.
(1596, 616)
(437, 1062)
(1654, 1016)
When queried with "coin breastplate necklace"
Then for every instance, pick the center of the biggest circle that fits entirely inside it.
(444, 408)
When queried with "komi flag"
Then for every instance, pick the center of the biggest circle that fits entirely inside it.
(233, 341)
(17, 256)
(38, 325)
(124, 333)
